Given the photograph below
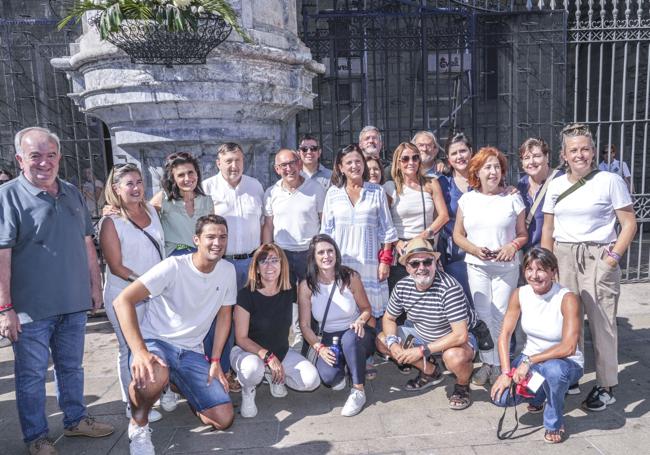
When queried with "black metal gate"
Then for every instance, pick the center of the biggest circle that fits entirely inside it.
(33, 93)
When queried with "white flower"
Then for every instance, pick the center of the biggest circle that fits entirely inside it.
(182, 4)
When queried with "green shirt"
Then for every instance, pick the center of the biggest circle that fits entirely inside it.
(177, 225)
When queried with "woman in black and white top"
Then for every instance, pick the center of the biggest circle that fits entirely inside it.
(348, 318)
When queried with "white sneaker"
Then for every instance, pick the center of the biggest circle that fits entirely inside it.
(248, 409)
(277, 390)
(154, 416)
(341, 385)
(140, 440)
(354, 403)
(4, 342)
(168, 400)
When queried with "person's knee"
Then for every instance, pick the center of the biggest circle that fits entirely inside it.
(152, 388)
(553, 372)
(251, 370)
(310, 379)
(349, 338)
(220, 417)
(456, 358)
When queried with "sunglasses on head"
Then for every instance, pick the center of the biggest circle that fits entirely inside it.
(407, 158)
(417, 263)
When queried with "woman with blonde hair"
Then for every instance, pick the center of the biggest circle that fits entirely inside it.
(490, 227)
(262, 323)
(417, 205)
(132, 242)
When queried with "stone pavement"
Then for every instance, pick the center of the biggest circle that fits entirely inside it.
(394, 421)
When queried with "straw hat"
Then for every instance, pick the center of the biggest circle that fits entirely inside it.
(416, 246)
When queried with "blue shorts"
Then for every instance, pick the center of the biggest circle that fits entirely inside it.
(407, 329)
(188, 371)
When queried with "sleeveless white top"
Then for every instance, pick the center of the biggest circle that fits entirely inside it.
(343, 309)
(138, 252)
(407, 211)
(542, 320)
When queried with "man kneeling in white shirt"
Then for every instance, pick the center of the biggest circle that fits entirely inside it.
(187, 293)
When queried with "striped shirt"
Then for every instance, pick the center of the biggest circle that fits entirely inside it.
(432, 311)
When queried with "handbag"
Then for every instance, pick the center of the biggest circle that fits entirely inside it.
(483, 337)
(312, 354)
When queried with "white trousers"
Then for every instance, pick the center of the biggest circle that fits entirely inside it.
(123, 370)
(491, 287)
(299, 373)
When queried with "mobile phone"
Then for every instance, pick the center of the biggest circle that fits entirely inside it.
(408, 343)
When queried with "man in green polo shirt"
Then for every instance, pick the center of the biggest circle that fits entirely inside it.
(49, 278)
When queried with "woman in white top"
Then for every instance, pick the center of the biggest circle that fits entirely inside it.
(417, 205)
(348, 318)
(551, 319)
(490, 227)
(131, 242)
(580, 228)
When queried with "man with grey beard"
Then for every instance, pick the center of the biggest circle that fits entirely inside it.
(438, 322)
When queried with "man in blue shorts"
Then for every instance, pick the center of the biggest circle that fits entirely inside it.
(438, 320)
(187, 293)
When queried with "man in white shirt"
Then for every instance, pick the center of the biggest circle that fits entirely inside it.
(292, 214)
(239, 199)
(187, 292)
(310, 153)
(609, 163)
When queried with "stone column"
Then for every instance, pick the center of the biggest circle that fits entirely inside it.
(245, 93)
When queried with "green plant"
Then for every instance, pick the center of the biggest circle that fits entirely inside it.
(177, 15)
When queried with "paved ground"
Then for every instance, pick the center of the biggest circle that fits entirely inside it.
(394, 421)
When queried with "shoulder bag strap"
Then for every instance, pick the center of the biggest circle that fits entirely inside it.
(321, 326)
(424, 209)
(539, 197)
(508, 434)
(151, 239)
(576, 185)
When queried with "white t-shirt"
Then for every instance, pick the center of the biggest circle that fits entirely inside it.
(185, 301)
(588, 214)
(296, 214)
(241, 207)
(490, 221)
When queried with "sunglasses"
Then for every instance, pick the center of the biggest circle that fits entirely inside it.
(407, 158)
(311, 148)
(416, 264)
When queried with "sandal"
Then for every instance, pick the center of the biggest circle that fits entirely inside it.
(548, 434)
(533, 409)
(424, 381)
(460, 399)
(233, 383)
(371, 372)
(404, 369)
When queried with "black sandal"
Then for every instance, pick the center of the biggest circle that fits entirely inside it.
(424, 381)
(460, 399)
(561, 433)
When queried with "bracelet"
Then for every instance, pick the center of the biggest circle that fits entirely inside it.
(320, 346)
(267, 357)
(516, 244)
(213, 359)
(132, 277)
(386, 256)
(6, 307)
(391, 340)
(6, 310)
(614, 255)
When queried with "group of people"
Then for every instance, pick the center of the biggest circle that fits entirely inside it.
(418, 261)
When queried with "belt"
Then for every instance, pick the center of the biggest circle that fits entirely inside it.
(238, 256)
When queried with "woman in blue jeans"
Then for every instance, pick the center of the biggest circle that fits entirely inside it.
(348, 318)
(551, 320)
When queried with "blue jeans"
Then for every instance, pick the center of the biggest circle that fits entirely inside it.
(406, 329)
(355, 351)
(189, 371)
(63, 336)
(559, 375)
(208, 341)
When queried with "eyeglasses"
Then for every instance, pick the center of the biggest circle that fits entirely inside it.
(416, 264)
(287, 164)
(407, 158)
(310, 148)
(269, 261)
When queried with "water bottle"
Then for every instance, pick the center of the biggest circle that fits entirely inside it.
(336, 349)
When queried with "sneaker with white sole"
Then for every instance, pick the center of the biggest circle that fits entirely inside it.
(277, 390)
(354, 403)
(140, 440)
(154, 416)
(598, 399)
(248, 408)
(340, 385)
(574, 389)
(168, 400)
(482, 375)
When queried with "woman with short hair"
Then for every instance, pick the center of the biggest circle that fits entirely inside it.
(262, 323)
(551, 319)
(490, 228)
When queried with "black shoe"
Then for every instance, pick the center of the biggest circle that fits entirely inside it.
(574, 389)
(598, 399)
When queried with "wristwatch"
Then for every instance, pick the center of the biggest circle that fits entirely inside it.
(525, 359)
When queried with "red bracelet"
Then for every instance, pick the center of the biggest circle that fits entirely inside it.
(320, 346)
(6, 307)
(386, 256)
(516, 244)
(212, 359)
(269, 358)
